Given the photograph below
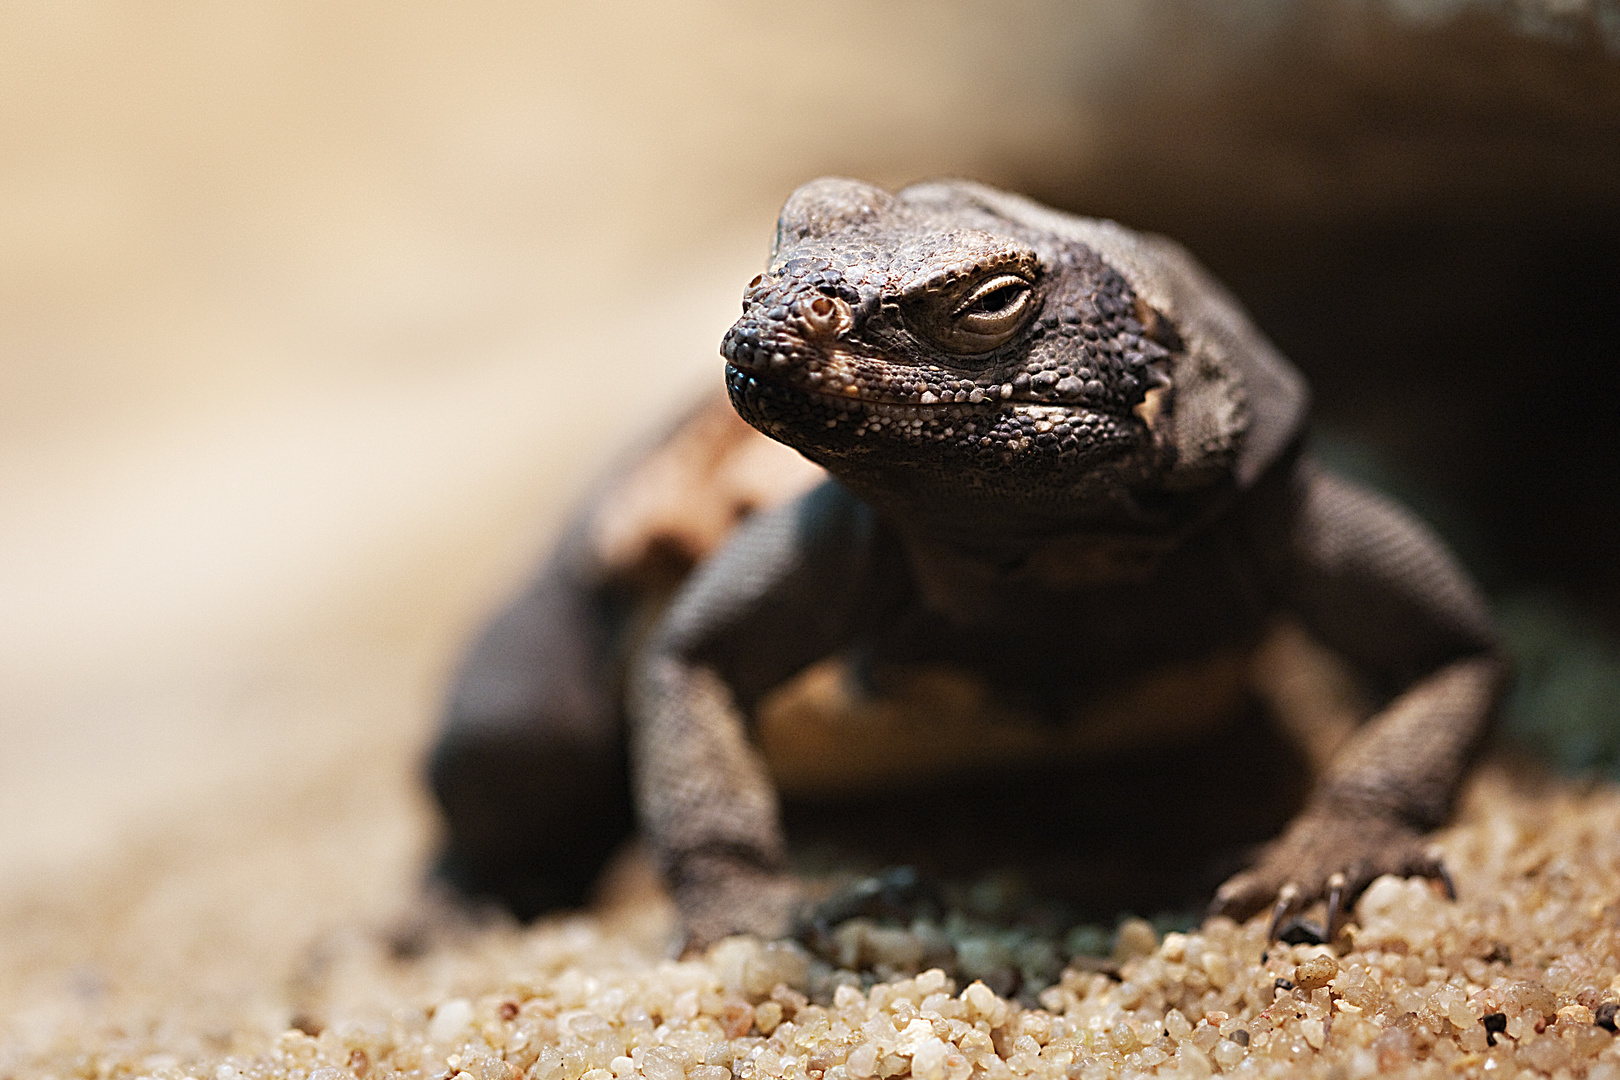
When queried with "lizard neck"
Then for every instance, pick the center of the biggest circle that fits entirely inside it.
(965, 561)
(1120, 527)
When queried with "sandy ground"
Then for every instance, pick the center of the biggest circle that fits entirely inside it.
(313, 320)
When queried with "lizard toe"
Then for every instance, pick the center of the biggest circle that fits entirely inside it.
(1241, 896)
(719, 898)
(897, 893)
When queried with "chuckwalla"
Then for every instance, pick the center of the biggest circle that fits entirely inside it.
(1064, 492)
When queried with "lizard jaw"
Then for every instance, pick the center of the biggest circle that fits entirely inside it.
(827, 425)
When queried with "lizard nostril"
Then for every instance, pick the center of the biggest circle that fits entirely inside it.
(826, 317)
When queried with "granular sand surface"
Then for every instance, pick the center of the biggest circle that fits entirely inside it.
(1518, 976)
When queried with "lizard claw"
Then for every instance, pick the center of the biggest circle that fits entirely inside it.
(1434, 868)
(1334, 918)
(1287, 903)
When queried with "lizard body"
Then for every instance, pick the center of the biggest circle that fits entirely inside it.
(1067, 508)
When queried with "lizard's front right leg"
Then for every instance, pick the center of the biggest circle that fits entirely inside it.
(791, 587)
(708, 806)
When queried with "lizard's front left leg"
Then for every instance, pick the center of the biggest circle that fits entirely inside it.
(1377, 587)
(1369, 814)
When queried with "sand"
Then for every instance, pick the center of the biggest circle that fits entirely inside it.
(1512, 978)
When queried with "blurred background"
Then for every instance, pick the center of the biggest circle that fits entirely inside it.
(315, 317)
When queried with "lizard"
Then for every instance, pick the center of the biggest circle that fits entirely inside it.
(1054, 461)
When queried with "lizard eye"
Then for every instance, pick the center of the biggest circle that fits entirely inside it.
(989, 316)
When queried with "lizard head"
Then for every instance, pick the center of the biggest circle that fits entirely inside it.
(924, 347)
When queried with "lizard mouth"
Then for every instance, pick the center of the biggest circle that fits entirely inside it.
(850, 396)
(834, 383)
(858, 379)
(816, 420)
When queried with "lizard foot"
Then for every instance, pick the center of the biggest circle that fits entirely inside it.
(719, 897)
(897, 892)
(1332, 859)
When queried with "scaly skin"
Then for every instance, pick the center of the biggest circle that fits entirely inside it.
(942, 370)
(1065, 467)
